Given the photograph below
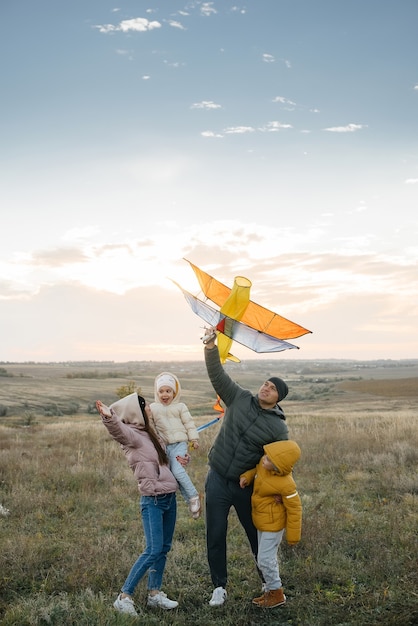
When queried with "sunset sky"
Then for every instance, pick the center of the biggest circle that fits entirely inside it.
(273, 139)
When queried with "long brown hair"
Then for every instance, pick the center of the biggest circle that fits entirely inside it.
(162, 455)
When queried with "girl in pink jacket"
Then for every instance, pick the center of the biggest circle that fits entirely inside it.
(128, 422)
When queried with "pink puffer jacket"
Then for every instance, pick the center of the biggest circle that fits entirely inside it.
(153, 479)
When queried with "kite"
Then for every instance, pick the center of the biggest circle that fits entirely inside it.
(239, 318)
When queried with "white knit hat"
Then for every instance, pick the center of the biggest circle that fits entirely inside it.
(166, 380)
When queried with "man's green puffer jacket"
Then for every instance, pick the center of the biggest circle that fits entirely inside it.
(245, 428)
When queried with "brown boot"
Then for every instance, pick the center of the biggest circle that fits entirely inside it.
(272, 598)
(259, 600)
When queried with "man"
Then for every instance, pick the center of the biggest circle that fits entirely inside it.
(250, 422)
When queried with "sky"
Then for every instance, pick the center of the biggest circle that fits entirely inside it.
(272, 139)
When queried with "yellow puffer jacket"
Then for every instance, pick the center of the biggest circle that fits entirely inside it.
(267, 514)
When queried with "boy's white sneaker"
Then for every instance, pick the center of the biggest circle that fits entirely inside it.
(125, 605)
(160, 600)
(218, 597)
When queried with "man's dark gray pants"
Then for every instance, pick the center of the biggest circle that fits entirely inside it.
(221, 495)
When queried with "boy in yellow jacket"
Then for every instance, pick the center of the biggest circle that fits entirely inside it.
(273, 477)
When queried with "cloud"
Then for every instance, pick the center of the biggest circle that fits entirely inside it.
(115, 301)
(274, 127)
(350, 302)
(205, 104)
(239, 130)
(210, 133)
(176, 24)
(75, 322)
(268, 58)
(208, 9)
(283, 100)
(411, 181)
(9, 289)
(269, 127)
(58, 257)
(174, 64)
(289, 105)
(350, 128)
(137, 24)
(236, 9)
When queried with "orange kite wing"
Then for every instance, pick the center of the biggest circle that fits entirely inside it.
(255, 316)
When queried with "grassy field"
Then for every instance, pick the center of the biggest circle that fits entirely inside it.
(69, 521)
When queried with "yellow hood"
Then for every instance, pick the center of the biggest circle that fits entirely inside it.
(283, 454)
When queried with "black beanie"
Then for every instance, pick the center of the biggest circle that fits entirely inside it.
(282, 388)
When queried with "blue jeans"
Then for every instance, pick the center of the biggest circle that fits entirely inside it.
(187, 488)
(158, 519)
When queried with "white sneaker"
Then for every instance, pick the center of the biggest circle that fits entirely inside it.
(218, 597)
(194, 506)
(160, 599)
(125, 605)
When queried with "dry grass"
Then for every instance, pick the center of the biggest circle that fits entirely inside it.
(73, 527)
(400, 387)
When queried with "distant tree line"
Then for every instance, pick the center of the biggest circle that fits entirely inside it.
(96, 374)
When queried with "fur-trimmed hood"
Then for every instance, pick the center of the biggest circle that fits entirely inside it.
(129, 410)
